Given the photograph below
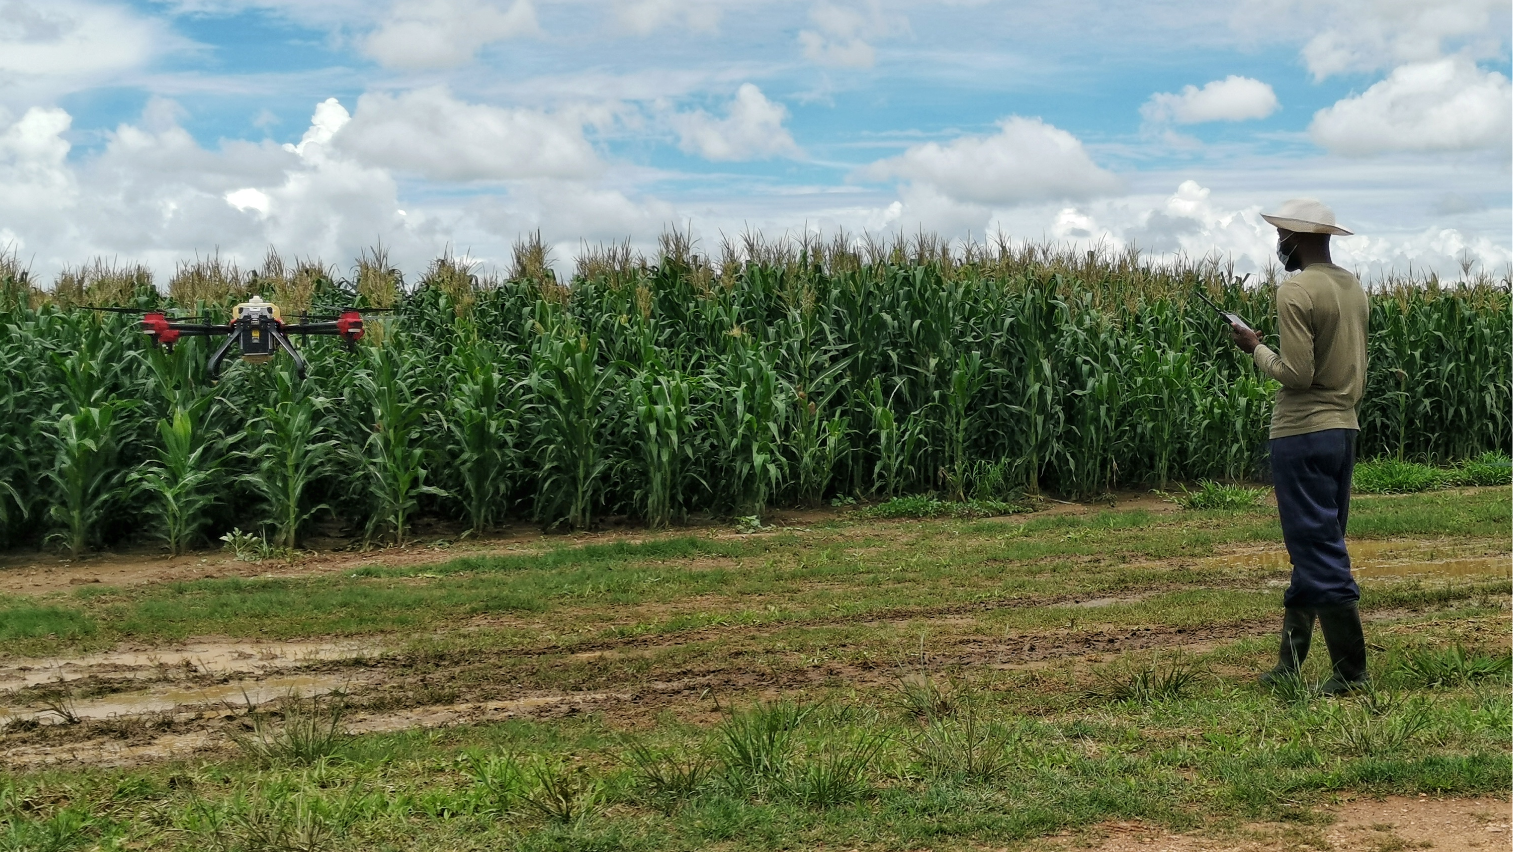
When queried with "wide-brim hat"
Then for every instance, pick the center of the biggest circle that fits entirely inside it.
(1305, 216)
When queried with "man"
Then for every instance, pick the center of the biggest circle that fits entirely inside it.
(1321, 312)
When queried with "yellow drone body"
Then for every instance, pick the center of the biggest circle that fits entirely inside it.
(262, 317)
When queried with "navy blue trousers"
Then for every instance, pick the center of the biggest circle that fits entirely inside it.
(1312, 477)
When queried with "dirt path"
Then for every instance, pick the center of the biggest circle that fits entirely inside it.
(37, 573)
(1364, 825)
(142, 702)
(40, 573)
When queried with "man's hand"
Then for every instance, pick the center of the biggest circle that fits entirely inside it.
(1244, 338)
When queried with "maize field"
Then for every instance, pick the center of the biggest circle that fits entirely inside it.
(653, 389)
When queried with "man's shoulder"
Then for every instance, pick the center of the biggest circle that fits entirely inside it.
(1319, 278)
(1323, 273)
(1296, 289)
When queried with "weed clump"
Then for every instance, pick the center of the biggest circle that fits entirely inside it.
(666, 779)
(60, 702)
(561, 792)
(923, 698)
(1378, 723)
(309, 733)
(838, 774)
(925, 506)
(1149, 682)
(553, 789)
(1490, 468)
(1394, 476)
(1448, 667)
(247, 547)
(1216, 495)
(301, 821)
(965, 746)
(754, 747)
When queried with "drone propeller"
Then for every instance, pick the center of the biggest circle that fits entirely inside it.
(112, 310)
(330, 317)
(175, 317)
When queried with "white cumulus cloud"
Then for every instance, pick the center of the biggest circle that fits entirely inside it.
(432, 134)
(1445, 105)
(1368, 35)
(841, 34)
(1190, 224)
(1232, 99)
(446, 33)
(249, 199)
(1026, 161)
(571, 213)
(152, 194)
(330, 116)
(59, 45)
(33, 153)
(752, 129)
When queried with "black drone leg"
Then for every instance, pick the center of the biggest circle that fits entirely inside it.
(284, 344)
(219, 356)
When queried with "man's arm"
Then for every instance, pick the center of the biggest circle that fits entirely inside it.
(1294, 366)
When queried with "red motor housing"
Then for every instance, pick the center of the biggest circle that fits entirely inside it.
(156, 325)
(349, 326)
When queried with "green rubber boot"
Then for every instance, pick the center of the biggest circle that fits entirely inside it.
(1297, 636)
(1347, 648)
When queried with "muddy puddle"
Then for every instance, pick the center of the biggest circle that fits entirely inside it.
(202, 674)
(445, 715)
(166, 663)
(113, 752)
(1394, 559)
(1486, 566)
(238, 695)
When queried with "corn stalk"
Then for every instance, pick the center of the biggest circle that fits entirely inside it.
(290, 451)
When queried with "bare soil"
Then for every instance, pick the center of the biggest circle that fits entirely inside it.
(140, 703)
(1360, 825)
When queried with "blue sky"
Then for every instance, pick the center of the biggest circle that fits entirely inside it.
(152, 130)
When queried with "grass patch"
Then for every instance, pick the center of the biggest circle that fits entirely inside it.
(1485, 514)
(924, 506)
(1392, 476)
(798, 577)
(1491, 468)
(1216, 495)
(1430, 667)
(24, 620)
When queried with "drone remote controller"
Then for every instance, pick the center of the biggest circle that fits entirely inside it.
(1233, 319)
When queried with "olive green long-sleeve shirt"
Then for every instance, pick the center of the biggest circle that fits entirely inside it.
(1321, 313)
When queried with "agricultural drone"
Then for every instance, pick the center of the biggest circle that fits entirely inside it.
(257, 328)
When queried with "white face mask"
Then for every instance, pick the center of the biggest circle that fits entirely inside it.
(1285, 254)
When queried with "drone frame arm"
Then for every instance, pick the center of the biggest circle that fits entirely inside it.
(348, 326)
(219, 356)
(283, 343)
(312, 328)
